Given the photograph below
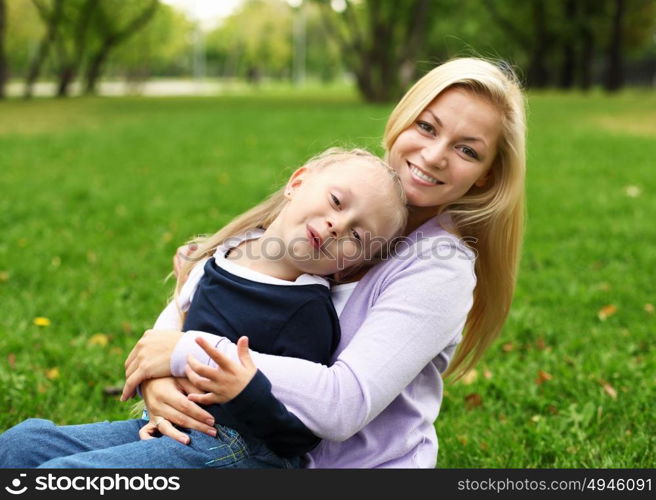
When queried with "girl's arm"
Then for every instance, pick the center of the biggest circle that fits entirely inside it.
(419, 311)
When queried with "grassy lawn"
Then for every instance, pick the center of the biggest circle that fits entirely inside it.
(97, 194)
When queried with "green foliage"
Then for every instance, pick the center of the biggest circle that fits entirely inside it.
(162, 47)
(98, 193)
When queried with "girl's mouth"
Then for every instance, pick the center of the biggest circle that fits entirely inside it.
(313, 237)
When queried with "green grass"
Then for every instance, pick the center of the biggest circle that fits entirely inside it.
(97, 194)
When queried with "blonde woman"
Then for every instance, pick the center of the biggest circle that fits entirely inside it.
(457, 141)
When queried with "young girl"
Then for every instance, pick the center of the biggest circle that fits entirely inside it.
(457, 140)
(338, 210)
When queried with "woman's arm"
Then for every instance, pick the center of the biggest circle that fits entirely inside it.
(419, 311)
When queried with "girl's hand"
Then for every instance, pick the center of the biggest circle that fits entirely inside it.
(225, 382)
(149, 358)
(180, 258)
(167, 404)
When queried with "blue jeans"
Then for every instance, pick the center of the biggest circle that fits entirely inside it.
(40, 443)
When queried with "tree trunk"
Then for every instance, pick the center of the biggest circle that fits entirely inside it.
(110, 41)
(66, 77)
(587, 47)
(614, 66)
(51, 20)
(538, 75)
(3, 56)
(568, 67)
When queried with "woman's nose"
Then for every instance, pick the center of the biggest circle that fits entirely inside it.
(434, 155)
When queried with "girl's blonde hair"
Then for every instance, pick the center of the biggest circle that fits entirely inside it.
(263, 214)
(489, 218)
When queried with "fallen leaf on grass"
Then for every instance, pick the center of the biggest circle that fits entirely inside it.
(469, 377)
(487, 374)
(41, 321)
(632, 191)
(552, 409)
(543, 377)
(607, 311)
(11, 359)
(608, 389)
(508, 347)
(126, 327)
(113, 390)
(473, 400)
(649, 308)
(52, 374)
(99, 339)
(462, 440)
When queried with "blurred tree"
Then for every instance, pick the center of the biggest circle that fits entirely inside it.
(115, 22)
(50, 16)
(380, 41)
(614, 77)
(253, 42)
(71, 41)
(528, 25)
(162, 47)
(3, 57)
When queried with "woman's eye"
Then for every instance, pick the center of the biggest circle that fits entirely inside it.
(426, 127)
(470, 152)
(356, 235)
(336, 201)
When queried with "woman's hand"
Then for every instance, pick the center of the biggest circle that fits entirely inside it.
(180, 258)
(225, 382)
(167, 404)
(149, 358)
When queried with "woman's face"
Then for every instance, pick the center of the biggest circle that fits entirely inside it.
(449, 148)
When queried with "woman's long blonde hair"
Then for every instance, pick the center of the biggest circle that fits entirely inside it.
(489, 218)
(263, 214)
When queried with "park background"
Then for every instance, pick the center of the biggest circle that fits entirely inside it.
(127, 127)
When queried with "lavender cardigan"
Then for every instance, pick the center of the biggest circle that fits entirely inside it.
(376, 404)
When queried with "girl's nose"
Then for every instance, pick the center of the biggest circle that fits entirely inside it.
(334, 228)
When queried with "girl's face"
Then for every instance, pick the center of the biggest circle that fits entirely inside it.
(449, 148)
(336, 217)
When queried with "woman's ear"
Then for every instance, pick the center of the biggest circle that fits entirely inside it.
(295, 181)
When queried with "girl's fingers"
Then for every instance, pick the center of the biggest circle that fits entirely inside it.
(202, 383)
(210, 374)
(244, 354)
(222, 361)
(147, 431)
(187, 386)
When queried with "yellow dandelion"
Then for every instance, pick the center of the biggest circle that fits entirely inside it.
(40, 321)
(98, 339)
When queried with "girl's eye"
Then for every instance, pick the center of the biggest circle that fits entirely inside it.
(426, 127)
(336, 201)
(356, 235)
(470, 152)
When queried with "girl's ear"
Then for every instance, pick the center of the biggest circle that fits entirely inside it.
(482, 180)
(295, 181)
